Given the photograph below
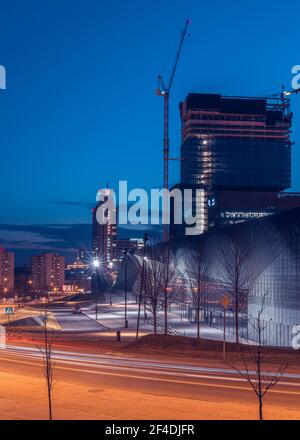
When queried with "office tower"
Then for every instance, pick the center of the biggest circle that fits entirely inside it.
(238, 150)
(47, 272)
(6, 271)
(233, 143)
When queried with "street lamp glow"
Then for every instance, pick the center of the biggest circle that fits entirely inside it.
(96, 263)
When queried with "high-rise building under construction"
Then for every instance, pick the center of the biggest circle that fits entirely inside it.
(231, 143)
(238, 150)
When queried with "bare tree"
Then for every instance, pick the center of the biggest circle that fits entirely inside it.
(197, 270)
(254, 361)
(110, 278)
(169, 281)
(153, 283)
(236, 277)
(47, 353)
(141, 286)
(158, 282)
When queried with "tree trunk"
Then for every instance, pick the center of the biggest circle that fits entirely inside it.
(48, 366)
(260, 407)
(198, 323)
(166, 313)
(260, 394)
(154, 322)
(50, 403)
(140, 299)
(236, 319)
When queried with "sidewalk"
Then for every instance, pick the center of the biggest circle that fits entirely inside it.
(113, 318)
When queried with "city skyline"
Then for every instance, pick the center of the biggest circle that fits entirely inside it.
(150, 217)
(72, 88)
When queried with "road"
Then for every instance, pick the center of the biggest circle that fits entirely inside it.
(70, 322)
(161, 386)
(151, 376)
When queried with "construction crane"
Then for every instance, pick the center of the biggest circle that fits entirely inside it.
(290, 92)
(283, 98)
(163, 90)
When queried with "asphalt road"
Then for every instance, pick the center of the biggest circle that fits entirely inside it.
(150, 376)
(77, 323)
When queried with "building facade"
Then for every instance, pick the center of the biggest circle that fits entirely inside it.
(122, 245)
(103, 234)
(7, 265)
(238, 150)
(48, 273)
(77, 275)
(235, 142)
(229, 207)
(268, 259)
(194, 203)
(270, 272)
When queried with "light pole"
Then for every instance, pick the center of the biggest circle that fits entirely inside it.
(125, 286)
(110, 279)
(96, 268)
(145, 239)
(145, 299)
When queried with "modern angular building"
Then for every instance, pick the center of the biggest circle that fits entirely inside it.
(270, 270)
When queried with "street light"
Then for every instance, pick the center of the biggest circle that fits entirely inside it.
(111, 282)
(96, 263)
(125, 286)
(145, 240)
(96, 267)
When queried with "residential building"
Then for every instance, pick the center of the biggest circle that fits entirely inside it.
(48, 273)
(6, 272)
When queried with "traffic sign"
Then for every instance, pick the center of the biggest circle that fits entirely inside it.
(9, 310)
(225, 301)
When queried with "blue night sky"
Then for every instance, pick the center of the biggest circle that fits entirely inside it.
(80, 110)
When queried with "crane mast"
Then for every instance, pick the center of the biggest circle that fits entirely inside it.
(164, 91)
